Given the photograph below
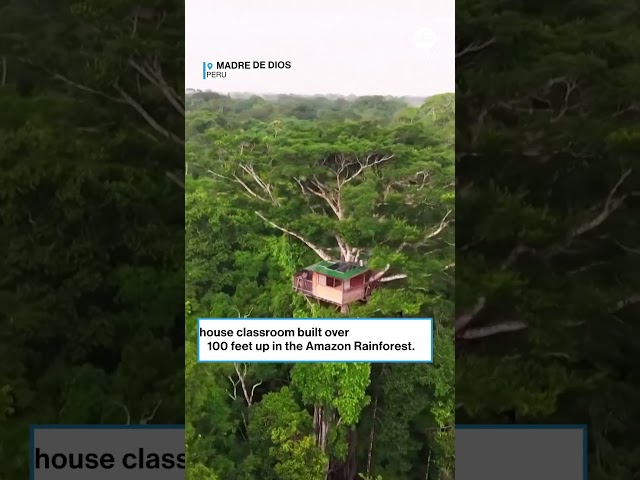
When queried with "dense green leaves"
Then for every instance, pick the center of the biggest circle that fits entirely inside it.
(547, 239)
(90, 270)
(91, 322)
(274, 185)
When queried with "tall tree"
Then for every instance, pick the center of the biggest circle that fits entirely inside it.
(270, 191)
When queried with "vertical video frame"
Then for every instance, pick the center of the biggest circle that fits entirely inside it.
(320, 213)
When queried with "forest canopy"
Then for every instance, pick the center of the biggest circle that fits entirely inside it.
(547, 243)
(274, 185)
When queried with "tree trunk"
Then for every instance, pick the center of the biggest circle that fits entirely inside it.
(321, 426)
(372, 434)
(351, 470)
(347, 469)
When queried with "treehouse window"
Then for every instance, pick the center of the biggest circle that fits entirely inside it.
(329, 281)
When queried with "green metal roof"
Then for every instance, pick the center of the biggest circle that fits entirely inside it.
(337, 269)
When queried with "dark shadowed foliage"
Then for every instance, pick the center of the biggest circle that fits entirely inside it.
(548, 246)
(92, 239)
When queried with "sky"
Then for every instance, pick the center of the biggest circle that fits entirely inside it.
(359, 47)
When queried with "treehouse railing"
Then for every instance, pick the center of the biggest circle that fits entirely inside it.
(352, 294)
(351, 289)
(302, 284)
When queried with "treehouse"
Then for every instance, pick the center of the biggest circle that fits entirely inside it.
(339, 283)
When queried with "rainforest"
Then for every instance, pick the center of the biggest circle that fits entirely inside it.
(274, 185)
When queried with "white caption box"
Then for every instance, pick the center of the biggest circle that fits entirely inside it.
(369, 340)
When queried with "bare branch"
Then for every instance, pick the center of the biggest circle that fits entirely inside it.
(584, 268)
(443, 224)
(253, 390)
(515, 253)
(3, 77)
(611, 204)
(83, 88)
(235, 179)
(390, 278)
(148, 118)
(570, 86)
(245, 315)
(419, 180)
(635, 251)
(126, 411)
(333, 199)
(134, 26)
(368, 162)
(490, 330)
(463, 320)
(624, 303)
(233, 396)
(174, 178)
(154, 75)
(242, 376)
(475, 46)
(266, 187)
(381, 274)
(344, 249)
(634, 107)
(147, 418)
(319, 251)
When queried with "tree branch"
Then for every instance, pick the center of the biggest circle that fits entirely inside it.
(319, 251)
(248, 397)
(368, 162)
(249, 170)
(235, 179)
(381, 274)
(390, 278)
(126, 411)
(175, 179)
(124, 98)
(474, 46)
(490, 330)
(3, 76)
(624, 303)
(147, 418)
(344, 249)
(331, 198)
(464, 319)
(635, 251)
(155, 77)
(611, 205)
(147, 117)
(443, 224)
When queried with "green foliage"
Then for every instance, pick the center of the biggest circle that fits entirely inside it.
(273, 184)
(340, 386)
(548, 182)
(286, 430)
(92, 264)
